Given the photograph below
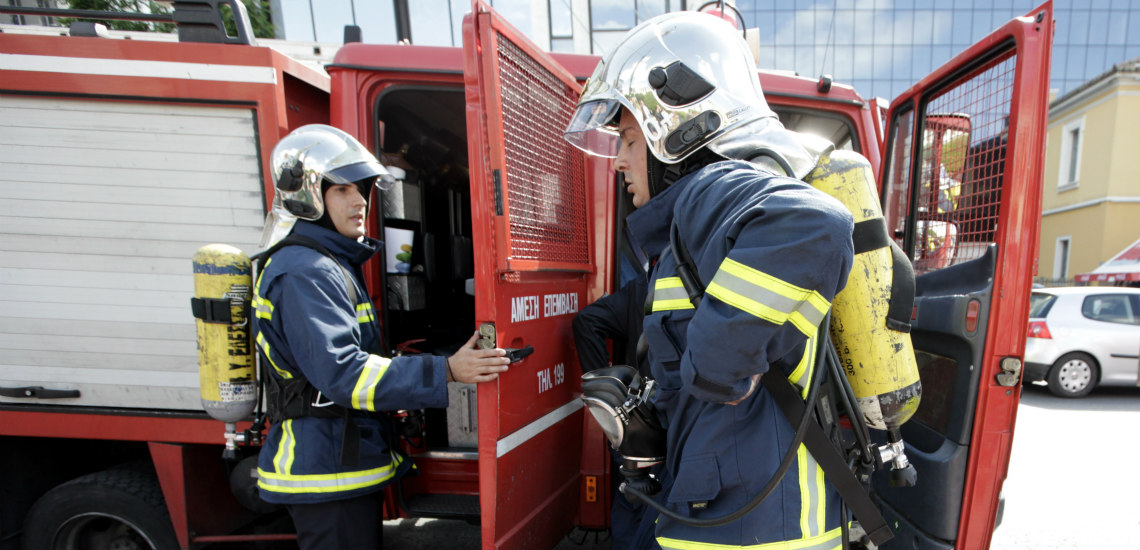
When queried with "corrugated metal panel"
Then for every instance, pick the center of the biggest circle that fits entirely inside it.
(102, 205)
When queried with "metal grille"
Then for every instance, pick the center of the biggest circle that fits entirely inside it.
(545, 182)
(961, 164)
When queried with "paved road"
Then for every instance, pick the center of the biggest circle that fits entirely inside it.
(1074, 473)
(1073, 484)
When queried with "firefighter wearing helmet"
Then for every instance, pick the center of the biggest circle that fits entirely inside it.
(678, 104)
(327, 454)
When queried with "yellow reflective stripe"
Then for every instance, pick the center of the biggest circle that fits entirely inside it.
(813, 511)
(767, 297)
(364, 313)
(364, 393)
(670, 294)
(806, 366)
(261, 341)
(283, 459)
(827, 541)
(263, 308)
(327, 483)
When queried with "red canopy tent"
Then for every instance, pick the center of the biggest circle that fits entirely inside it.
(1124, 267)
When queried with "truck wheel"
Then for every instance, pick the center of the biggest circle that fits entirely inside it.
(119, 509)
(1073, 375)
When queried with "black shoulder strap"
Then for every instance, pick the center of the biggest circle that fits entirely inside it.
(794, 407)
(302, 389)
(301, 240)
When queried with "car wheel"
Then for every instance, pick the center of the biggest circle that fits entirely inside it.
(119, 509)
(1073, 375)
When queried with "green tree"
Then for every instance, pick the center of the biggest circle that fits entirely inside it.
(123, 6)
(260, 16)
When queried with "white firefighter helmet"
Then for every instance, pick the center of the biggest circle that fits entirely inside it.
(687, 77)
(302, 160)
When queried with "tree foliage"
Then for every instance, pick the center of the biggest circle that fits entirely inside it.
(260, 16)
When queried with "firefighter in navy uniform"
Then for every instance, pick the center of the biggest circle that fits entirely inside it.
(679, 104)
(329, 451)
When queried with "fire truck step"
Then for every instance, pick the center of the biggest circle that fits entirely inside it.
(443, 506)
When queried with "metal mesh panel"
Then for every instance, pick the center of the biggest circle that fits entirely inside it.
(961, 165)
(546, 184)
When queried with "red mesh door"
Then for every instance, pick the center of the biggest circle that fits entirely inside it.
(961, 161)
(544, 187)
(532, 224)
(962, 185)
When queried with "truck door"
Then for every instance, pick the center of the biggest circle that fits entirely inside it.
(961, 187)
(532, 225)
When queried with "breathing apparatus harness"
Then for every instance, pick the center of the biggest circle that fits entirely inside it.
(636, 406)
(296, 397)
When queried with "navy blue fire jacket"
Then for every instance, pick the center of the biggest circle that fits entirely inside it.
(772, 252)
(306, 325)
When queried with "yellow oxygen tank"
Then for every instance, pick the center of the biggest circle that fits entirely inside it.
(222, 287)
(874, 348)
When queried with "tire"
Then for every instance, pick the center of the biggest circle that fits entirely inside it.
(1073, 375)
(120, 509)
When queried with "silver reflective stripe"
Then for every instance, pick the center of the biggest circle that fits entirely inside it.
(811, 495)
(783, 305)
(263, 308)
(828, 541)
(328, 483)
(365, 391)
(669, 294)
(283, 460)
(346, 481)
(524, 434)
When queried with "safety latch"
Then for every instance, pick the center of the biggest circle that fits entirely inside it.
(1010, 374)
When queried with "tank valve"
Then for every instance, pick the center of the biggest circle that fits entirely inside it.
(903, 473)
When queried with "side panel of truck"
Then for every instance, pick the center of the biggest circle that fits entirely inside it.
(103, 204)
(121, 158)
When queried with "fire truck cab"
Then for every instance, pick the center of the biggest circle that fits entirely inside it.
(509, 231)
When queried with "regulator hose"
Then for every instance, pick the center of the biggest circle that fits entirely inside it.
(822, 345)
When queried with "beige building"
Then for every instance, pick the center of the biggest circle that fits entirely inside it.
(1091, 204)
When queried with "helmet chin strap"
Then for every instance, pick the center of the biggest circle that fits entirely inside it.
(662, 175)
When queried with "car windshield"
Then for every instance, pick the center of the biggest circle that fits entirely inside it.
(1039, 304)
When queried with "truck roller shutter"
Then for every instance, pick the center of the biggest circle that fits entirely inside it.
(102, 205)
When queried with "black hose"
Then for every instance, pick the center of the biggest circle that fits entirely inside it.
(854, 412)
(801, 430)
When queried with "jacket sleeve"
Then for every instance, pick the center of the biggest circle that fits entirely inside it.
(608, 318)
(324, 337)
(788, 256)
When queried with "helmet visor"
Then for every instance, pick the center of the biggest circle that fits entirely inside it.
(593, 128)
(368, 169)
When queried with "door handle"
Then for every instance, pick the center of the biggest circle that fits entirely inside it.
(38, 392)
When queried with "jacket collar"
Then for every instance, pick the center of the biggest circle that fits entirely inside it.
(353, 252)
(649, 225)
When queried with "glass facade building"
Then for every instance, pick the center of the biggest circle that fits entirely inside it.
(879, 46)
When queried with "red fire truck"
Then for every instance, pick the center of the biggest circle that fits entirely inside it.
(121, 157)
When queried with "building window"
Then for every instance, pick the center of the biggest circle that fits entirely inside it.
(1061, 258)
(1072, 140)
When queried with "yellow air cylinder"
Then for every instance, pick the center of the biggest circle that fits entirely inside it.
(222, 286)
(878, 359)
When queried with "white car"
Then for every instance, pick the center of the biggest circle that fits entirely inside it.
(1083, 337)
